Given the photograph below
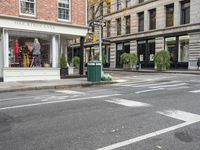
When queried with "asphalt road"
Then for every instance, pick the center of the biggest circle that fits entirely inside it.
(141, 112)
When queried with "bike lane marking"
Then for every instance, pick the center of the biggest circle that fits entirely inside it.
(187, 117)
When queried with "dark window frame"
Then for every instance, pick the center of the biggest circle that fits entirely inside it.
(140, 21)
(128, 24)
(119, 26)
(185, 12)
(152, 19)
(169, 15)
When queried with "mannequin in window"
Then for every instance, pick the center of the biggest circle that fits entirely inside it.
(36, 49)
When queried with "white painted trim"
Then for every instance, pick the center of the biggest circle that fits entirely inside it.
(5, 48)
(33, 25)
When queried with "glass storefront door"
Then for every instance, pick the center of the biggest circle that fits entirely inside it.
(183, 49)
(178, 48)
(171, 46)
(146, 52)
(120, 49)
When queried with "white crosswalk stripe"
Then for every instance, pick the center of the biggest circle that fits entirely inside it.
(128, 103)
(195, 91)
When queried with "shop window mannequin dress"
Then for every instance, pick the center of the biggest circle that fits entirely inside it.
(36, 49)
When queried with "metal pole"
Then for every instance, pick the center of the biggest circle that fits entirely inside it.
(100, 47)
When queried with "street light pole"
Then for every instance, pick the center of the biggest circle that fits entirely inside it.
(100, 47)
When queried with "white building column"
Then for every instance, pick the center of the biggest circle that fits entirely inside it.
(146, 20)
(54, 52)
(112, 55)
(6, 49)
(177, 13)
(160, 17)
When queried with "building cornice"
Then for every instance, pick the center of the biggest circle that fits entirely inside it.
(44, 21)
(156, 33)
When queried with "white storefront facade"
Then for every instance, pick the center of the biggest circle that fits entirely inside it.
(15, 59)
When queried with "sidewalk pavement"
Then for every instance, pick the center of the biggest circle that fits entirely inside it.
(77, 82)
(51, 84)
(175, 71)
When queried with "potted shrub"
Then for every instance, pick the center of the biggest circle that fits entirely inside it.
(76, 61)
(133, 59)
(125, 60)
(162, 60)
(63, 66)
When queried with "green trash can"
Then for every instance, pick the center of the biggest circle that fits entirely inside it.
(94, 71)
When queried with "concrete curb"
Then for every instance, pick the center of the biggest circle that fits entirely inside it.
(59, 86)
(153, 71)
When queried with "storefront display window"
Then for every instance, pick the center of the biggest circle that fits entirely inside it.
(170, 45)
(183, 48)
(21, 52)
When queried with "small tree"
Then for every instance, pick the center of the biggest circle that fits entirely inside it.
(162, 60)
(125, 58)
(133, 59)
(76, 61)
(63, 61)
(96, 57)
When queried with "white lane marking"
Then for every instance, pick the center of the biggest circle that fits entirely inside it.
(27, 97)
(181, 115)
(175, 114)
(153, 84)
(195, 91)
(149, 90)
(61, 101)
(128, 103)
(69, 92)
(172, 85)
(52, 98)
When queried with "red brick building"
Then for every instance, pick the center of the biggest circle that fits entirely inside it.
(52, 22)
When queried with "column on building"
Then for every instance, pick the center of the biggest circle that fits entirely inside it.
(55, 52)
(1, 53)
(133, 46)
(194, 47)
(146, 20)
(123, 26)
(160, 17)
(6, 49)
(112, 55)
(177, 13)
(194, 11)
(134, 23)
(160, 45)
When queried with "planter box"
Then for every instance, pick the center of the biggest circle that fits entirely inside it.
(70, 70)
(30, 74)
(63, 72)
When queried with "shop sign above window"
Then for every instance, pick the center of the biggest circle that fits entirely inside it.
(27, 7)
(64, 10)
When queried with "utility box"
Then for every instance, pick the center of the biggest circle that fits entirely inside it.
(94, 71)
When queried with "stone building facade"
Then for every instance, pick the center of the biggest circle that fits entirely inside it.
(52, 22)
(148, 26)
